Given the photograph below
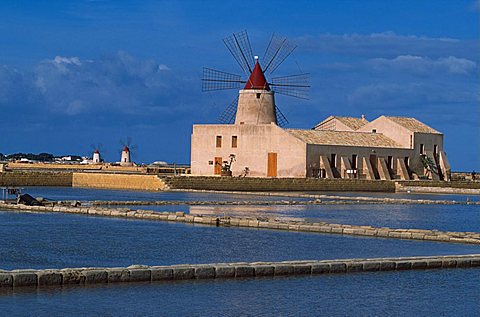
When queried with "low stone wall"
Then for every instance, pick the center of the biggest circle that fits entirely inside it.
(430, 183)
(35, 178)
(277, 184)
(262, 223)
(118, 181)
(439, 190)
(138, 273)
(314, 199)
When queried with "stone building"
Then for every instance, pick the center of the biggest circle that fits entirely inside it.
(338, 147)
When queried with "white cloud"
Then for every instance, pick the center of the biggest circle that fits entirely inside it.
(419, 64)
(163, 67)
(117, 84)
(67, 60)
(388, 44)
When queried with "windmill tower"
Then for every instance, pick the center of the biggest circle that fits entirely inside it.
(125, 158)
(127, 152)
(255, 103)
(96, 157)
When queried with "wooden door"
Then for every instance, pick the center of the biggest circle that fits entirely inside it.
(272, 165)
(218, 166)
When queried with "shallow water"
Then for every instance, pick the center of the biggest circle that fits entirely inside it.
(71, 193)
(36, 240)
(440, 217)
(408, 293)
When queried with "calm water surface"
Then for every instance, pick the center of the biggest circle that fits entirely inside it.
(31, 240)
(36, 240)
(70, 193)
(440, 217)
(409, 293)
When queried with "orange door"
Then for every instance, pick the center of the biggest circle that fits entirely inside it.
(272, 165)
(218, 166)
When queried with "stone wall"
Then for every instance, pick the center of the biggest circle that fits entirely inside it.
(261, 223)
(141, 273)
(118, 181)
(277, 184)
(452, 184)
(36, 178)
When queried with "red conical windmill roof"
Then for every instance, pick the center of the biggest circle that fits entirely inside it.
(126, 149)
(257, 79)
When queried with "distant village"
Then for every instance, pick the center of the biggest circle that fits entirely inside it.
(71, 159)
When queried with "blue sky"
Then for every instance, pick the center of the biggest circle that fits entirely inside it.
(73, 73)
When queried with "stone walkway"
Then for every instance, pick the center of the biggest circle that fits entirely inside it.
(139, 273)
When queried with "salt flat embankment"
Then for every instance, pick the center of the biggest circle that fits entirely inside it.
(261, 223)
(139, 273)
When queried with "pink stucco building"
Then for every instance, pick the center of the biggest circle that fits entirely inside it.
(338, 147)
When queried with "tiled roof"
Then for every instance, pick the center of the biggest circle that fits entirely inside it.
(344, 138)
(351, 122)
(413, 124)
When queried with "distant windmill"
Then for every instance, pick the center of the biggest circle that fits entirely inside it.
(97, 153)
(127, 151)
(278, 49)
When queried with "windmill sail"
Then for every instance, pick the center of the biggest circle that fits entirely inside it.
(239, 46)
(228, 116)
(217, 80)
(278, 49)
(281, 119)
(292, 85)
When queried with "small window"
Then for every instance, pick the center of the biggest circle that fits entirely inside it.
(390, 162)
(333, 160)
(258, 95)
(435, 149)
(411, 141)
(219, 141)
(422, 149)
(234, 141)
(374, 130)
(406, 160)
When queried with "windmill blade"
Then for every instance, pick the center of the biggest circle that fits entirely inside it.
(98, 147)
(278, 49)
(228, 116)
(217, 80)
(281, 119)
(239, 46)
(293, 85)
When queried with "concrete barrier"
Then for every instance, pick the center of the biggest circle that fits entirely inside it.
(81, 276)
(263, 223)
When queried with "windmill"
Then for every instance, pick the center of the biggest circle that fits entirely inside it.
(255, 103)
(127, 152)
(97, 150)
